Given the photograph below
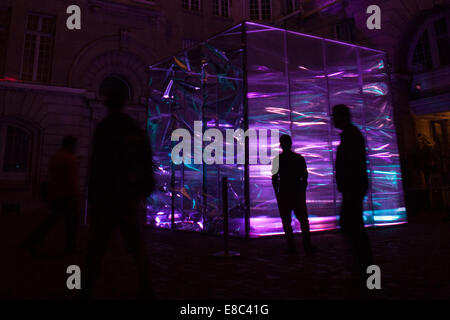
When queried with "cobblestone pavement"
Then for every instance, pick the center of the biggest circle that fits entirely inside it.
(414, 259)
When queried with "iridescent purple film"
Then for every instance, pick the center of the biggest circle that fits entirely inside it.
(203, 83)
(292, 81)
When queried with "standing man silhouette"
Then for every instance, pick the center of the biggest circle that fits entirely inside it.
(352, 181)
(289, 180)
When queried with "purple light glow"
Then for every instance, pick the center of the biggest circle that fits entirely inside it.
(291, 89)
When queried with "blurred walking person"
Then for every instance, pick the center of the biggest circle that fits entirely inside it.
(121, 176)
(352, 181)
(62, 196)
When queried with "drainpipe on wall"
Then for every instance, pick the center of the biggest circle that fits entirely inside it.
(88, 101)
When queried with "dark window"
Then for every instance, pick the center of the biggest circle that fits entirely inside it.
(38, 48)
(187, 43)
(266, 11)
(345, 30)
(221, 7)
(432, 49)
(17, 150)
(260, 10)
(442, 40)
(422, 54)
(291, 6)
(191, 4)
(254, 10)
(5, 15)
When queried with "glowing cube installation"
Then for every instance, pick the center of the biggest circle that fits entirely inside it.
(254, 76)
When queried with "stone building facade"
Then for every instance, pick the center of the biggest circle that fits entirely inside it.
(50, 76)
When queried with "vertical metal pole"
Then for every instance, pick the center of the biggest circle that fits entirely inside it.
(91, 133)
(226, 252)
(364, 105)
(182, 188)
(396, 120)
(217, 127)
(246, 163)
(288, 81)
(148, 134)
(172, 176)
(330, 142)
(204, 171)
(225, 212)
(182, 172)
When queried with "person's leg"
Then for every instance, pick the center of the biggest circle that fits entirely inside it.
(71, 226)
(347, 227)
(344, 213)
(355, 232)
(363, 249)
(130, 229)
(100, 231)
(285, 208)
(301, 212)
(39, 234)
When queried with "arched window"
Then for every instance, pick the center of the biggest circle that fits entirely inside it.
(432, 47)
(16, 144)
(115, 83)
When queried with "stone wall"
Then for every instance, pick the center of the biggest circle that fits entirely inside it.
(50, 113)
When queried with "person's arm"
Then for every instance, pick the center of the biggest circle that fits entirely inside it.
(148, 162)
(363, 164)
(72, 176)
(304, 175)
(275, 183)
(275, 174)
(93, 179)
(344, 161)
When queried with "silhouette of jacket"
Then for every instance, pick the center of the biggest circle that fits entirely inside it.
(292, 175)
(62, 196)
(351, 168)
(63, 175)
(121, 159)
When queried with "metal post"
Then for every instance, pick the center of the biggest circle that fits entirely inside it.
(330, 139)
(225, 212)
(172, 176)
(226, 252)
(246, 164)
(366, 133)
(204, 124)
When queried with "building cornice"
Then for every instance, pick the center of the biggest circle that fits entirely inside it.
(40, 87)
(138, 8)
(438, 103)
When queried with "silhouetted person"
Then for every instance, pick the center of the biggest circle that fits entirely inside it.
(62, 197)
(290, 179)
(352, 182)
(121, 177)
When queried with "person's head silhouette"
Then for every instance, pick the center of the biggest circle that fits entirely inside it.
(286, 142)
(115, 102)
(69, 143)
(341, 116)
